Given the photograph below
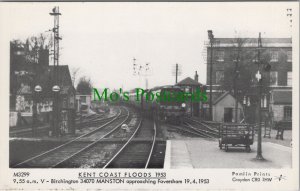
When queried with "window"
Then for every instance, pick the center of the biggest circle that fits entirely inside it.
(234, 55)
(289, 56)
(274, 56)
(273, 78)
(246, 100)
(264, 101)
(220, 55)
(65, 102)
(255, 57)
(219, 76)
(83, 99)
(289, 78)
(287, 111)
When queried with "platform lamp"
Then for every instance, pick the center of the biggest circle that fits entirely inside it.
(55, 110)
(37, 90)
(262, 66)
(259, 148)
(258, 76)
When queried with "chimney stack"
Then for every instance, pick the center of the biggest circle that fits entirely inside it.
(196, 76)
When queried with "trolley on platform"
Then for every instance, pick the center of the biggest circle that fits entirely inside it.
(236, 135)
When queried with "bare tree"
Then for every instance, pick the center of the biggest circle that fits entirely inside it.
(74, 73)
(41, 40)
(238, 55)
(32, 45)
(239, 76)
(84, 86)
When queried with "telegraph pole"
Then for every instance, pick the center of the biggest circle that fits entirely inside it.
(141, 71)
(211, 39)
(134, 66)
(56, 111)
(146, 74)
(176, 70)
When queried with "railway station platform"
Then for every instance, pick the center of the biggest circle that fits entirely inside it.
(205, 153)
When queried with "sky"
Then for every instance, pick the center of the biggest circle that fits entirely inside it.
(103, 38)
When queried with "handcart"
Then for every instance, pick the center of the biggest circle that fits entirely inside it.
(236, 135)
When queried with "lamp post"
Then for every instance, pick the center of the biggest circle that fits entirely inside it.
(259, 79)
(34, 97)
(37, 90)
(211, 39)
(55, 109)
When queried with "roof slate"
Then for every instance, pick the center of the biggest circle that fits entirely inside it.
(188, 82)
(46, 79)
(252, 42)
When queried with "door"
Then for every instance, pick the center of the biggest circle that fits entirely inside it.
(228, 116)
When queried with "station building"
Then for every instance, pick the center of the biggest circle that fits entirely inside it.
(28, 71)
(191, 85)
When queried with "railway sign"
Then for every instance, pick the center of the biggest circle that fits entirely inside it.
(258, 76)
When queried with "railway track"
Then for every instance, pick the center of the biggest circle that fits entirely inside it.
(205, 125)
(186, 129)
(28, 132)
(102, 150)
(196, 128)
(204, 133)
(136, 154)
(94, 120)
(202, 128)
(58, 155)
(85, 120)
(139, 150)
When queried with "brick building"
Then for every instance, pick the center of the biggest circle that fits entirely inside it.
(28, 70)
(230, 54)
(190, 86)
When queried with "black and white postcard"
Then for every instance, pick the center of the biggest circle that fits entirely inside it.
(149, 95)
